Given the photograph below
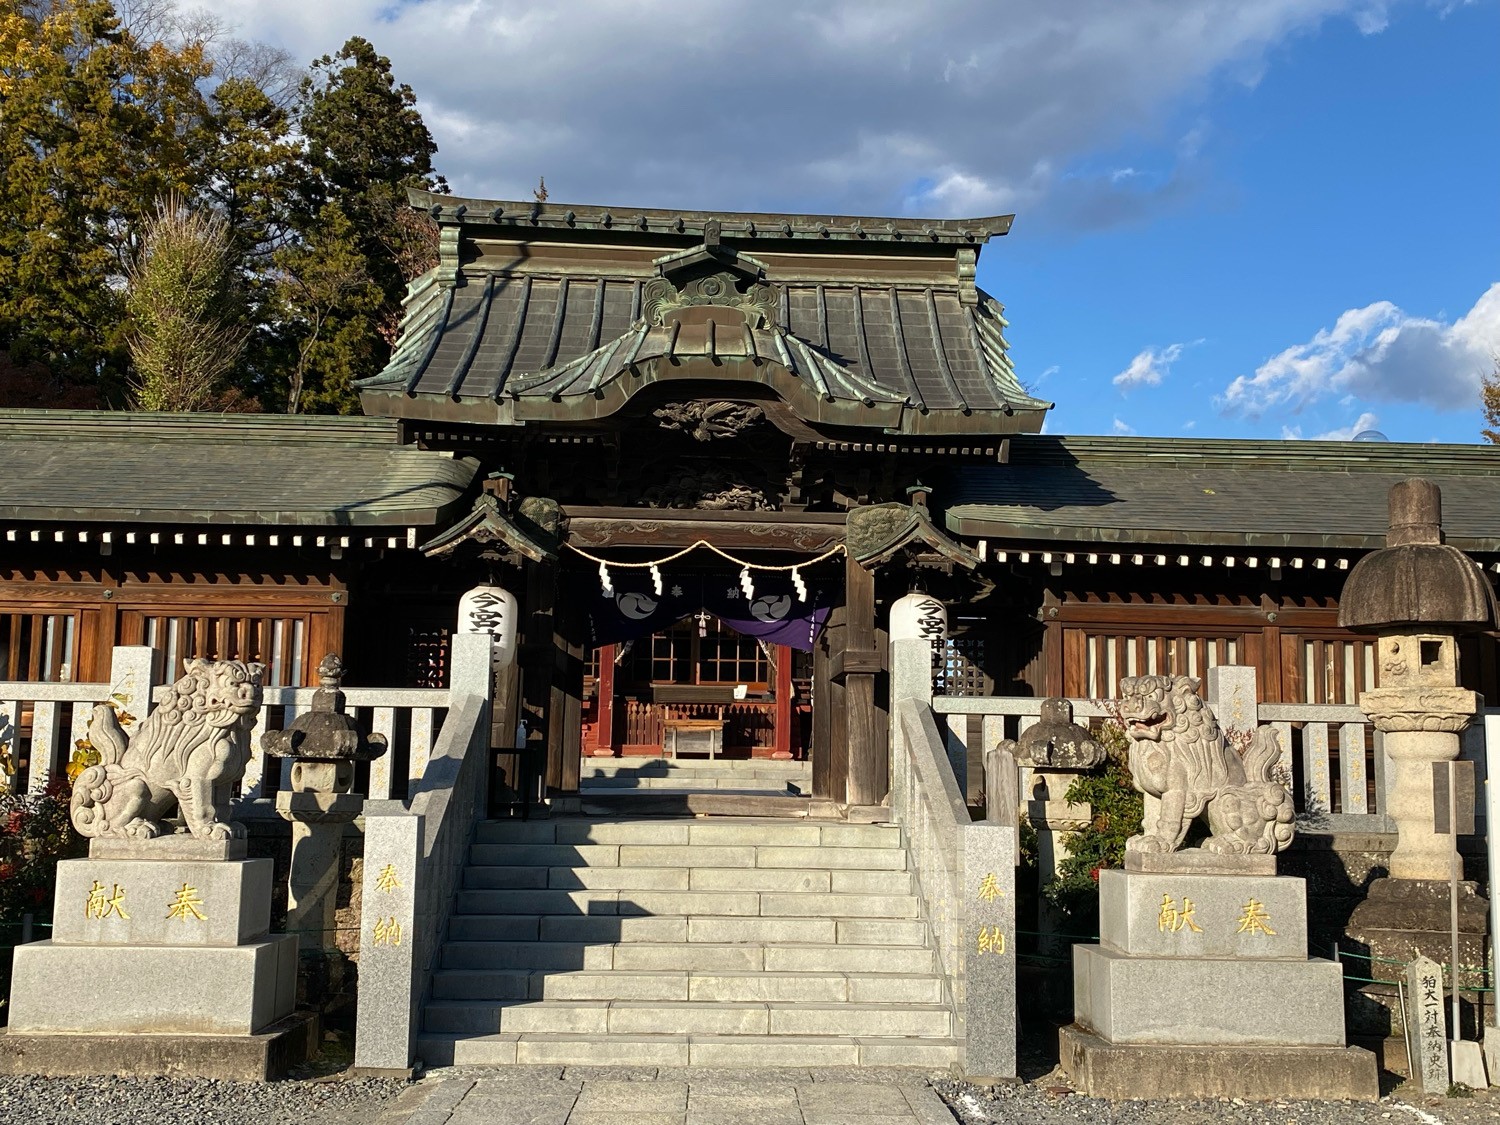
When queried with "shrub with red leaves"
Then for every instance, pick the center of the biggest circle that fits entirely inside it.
(35, 833)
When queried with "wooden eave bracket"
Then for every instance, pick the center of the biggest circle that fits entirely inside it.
(877, 533)
(488, 524)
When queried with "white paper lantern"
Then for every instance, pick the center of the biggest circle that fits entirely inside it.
(492, 610)
(919, 617)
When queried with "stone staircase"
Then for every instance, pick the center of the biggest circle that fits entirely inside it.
(687, 942)
(682, 775)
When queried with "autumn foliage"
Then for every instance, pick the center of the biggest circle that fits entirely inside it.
(292, 179)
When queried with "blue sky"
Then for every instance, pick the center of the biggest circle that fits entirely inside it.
(1359, 168)
(1235, 218)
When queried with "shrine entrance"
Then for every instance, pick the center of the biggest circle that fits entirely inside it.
(697, 689)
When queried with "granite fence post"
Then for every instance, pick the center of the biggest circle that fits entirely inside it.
(988, 933)
(389, 1001)
(1230, 690)
(469, 670)
(911, 678)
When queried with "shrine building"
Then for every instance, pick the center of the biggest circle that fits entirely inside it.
(706, 453)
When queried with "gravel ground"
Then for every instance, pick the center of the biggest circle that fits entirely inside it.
(1042, 1103)
(348, 1101)
(183, 1101)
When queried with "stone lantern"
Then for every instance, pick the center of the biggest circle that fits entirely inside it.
(1417, 595)
(1052, 752)
(324, 745)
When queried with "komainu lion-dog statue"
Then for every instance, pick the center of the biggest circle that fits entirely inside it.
(1178, 754)
(189, 753)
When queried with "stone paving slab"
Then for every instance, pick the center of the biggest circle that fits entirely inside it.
(603, 1095)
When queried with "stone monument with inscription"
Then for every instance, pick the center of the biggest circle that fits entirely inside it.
(161, 958)
(1200, 985)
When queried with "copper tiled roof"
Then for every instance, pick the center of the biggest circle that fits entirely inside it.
(892, 336)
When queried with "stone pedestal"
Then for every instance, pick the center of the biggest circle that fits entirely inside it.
(1404, 918)
(175, 949)
(317, 819)
(1201, 987)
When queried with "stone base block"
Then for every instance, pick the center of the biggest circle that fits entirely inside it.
(162, 901)
(1401, 918)
(179, 845)
(1256, 917)
(1169, 1000)
(153, 989)
(262, 1057)
(1121, 1071)
(1196, 861)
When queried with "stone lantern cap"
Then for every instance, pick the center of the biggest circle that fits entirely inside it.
(1417, 582)
(1056, 742)
(325, 733)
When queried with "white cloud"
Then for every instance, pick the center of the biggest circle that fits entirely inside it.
(1365, 421)
(845, 105)
(1378, 353)
(1122, 427)
(1148, 368)
(1151, 365)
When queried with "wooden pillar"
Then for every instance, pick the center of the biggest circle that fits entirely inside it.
(536, 675)
(565, 699)
(830, 763)
(883, 709)
(604, 711)
(783, 740)
(505, 777)
(869, 771)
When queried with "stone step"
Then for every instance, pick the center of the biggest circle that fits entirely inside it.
(668, 765)
(679, 956)
(701, 767)
(740, 783)
(829, 857)
(632, 1017)
(690, 802)
(728, 1051)
(710, 986)
(729, 929)
(769, 879)
(689, 903)
(592, 831)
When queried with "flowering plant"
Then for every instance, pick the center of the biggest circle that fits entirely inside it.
(1117, 809)
(35, 832)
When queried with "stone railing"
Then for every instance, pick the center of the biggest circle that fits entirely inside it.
(964, 873)
(407, 717)
(413, 863)
(1331, 754)
(41, 723)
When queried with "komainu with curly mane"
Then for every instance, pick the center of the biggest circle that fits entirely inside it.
(1179, 755)
(189, 754)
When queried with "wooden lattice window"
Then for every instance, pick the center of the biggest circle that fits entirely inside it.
(280, 643)
(38, 646)
(1097, 661)
(958, 667)
(727, 657)
(1335, 670)
(427, 655)
(679, 655)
